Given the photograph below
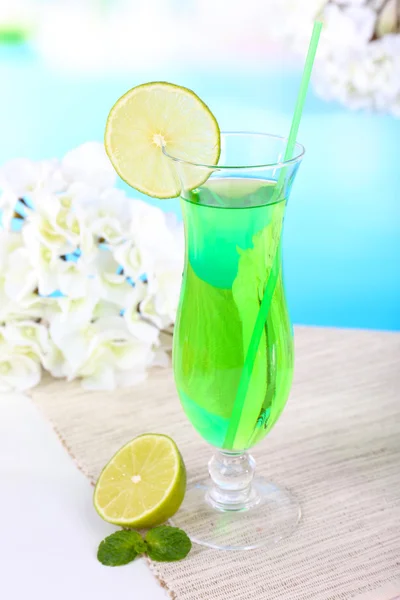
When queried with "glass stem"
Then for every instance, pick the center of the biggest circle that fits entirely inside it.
(232, 475)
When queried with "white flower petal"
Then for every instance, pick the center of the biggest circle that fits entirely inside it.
(89, 164)
(9, 241)
(106, 214)
(24, 176)
(8, 202)
(76, 345)
(54, 362)
(115, 292)
(111, 328)
(49, 234)
(20, 279)
(101, 379)
(20, 175)
(152, 237)
(131, 355)
(106, 309)
(20, 368)
(114, 287)
(31, 306)
(135, 323)
(145, 332)
(148, 311)
(87, 244)
(27, 333)
(129, 257)
(72, 279)
(75, 312)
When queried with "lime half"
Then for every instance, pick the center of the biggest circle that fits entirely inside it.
(156, 115)
(144, 483)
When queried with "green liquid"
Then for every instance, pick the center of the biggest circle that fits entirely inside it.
(233, 229)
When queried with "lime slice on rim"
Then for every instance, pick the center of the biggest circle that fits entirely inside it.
(144, 483)
(159, 114)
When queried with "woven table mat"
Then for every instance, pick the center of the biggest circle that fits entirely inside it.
(336, 446)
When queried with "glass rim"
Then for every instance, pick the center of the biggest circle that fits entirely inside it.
(274, 165)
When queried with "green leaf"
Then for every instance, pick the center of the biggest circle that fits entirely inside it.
(120, 548)
(167, 544)
(213, 347)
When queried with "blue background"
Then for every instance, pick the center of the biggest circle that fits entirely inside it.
(342, 236)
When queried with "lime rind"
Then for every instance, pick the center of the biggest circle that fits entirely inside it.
(151, 115)
(164, 508)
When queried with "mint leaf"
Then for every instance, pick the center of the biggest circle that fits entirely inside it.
(120, 548)
(167, 544)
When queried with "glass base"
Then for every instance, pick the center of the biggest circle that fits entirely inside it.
(271, 515)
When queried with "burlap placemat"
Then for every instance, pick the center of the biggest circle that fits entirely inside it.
(337, 446)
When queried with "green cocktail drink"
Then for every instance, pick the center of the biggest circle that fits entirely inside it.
(233, 231)
(233, 344)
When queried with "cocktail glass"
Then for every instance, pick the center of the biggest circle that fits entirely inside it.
(233, 371)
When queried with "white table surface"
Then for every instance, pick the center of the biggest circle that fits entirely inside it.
(49, 531)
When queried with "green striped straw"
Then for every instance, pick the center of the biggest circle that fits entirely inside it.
(239, 405)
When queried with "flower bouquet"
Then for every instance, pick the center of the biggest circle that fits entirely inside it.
(89, 278)
(359, 54)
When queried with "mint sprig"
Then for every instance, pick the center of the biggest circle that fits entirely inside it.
(163, 543)
(167, 544)
(120, 548)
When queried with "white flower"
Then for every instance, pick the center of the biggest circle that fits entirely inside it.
(127, 351)
(54, 361)
(153, 243)
(164, 292)
(32, 339)
(144, 331)
(113, 284)
(367, 78)
(74, 313)
(31, 306)
(9, 241)
(156, 250)
(107, 213)
(129, 257)
(18, 297)
(91, 279)
(103, 352)
(89, 164)
(52, 235)
(104, 308)
(20, 367)
(56, 224)
(76, 344)
(20, 279)
(154, 239)
(292, 20)
(41, 260)
(8, 202)
(74, 277)
(23, 176)
(27, 333)
(344, 28)
(150, 234)
(355, 64)
(55, 271)
(68, 314)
